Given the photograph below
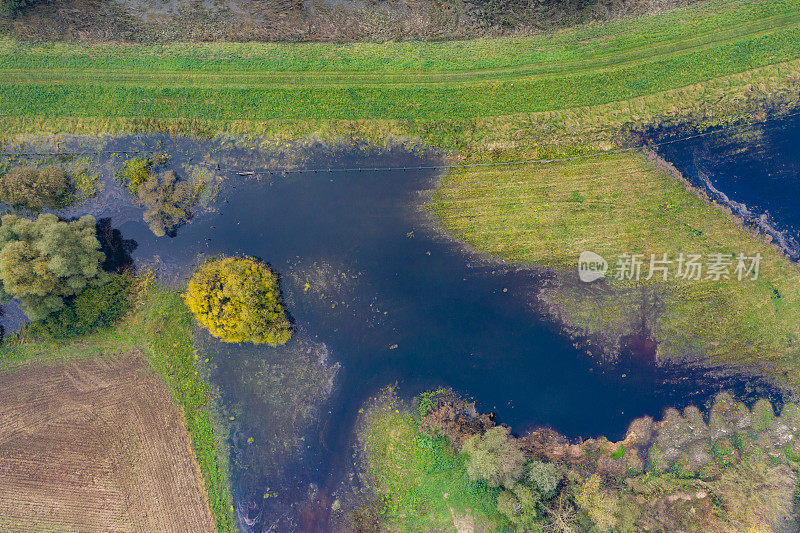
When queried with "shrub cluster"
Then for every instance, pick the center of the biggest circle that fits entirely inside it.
(135, 172)
(36, 188)
(494, 457)
(169, 200)
(497, 458)
(96, 307)
(238, 300)
(46, 261)
(734, 470)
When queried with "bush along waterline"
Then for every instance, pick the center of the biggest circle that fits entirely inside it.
(734, 468)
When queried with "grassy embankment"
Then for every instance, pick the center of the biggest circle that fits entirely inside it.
(161, 328)
(571, 92)
(489, 97)
(422, 481)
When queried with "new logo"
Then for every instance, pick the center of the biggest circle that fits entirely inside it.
(591, 267)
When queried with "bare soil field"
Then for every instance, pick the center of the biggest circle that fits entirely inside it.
(96, 445)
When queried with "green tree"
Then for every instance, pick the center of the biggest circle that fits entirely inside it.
(95, 307)
(519, 504)
(238, 300)
(601, 506)
(36, 188)
(45, 261)
(544, 477)
(169, 200)
(495, 457)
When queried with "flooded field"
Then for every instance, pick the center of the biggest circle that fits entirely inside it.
(379, 295)
(754, 170)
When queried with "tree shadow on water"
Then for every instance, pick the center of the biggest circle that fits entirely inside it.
(116, 249)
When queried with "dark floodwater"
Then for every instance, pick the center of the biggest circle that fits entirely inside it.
(392, 300)
(755, 170)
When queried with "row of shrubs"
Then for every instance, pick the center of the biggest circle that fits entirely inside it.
(732, 470)
(35, 188)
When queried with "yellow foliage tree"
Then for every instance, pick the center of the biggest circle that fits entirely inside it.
(601, 506)
(238, 300)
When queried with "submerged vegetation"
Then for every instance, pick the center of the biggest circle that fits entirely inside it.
(135, 172)
(169, 201)
(238, 300)
(735, 470)
(35, 188)
(45, 187)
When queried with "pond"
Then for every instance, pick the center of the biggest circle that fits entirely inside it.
(754, 170)
(379, 296)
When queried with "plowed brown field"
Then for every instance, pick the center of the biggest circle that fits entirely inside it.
(96, 445)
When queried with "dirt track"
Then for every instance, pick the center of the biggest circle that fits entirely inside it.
(96, 445)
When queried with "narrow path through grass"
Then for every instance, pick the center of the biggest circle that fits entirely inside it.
(589, 65)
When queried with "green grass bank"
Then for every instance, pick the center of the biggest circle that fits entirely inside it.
(410, 471)
(568, 91)
(735, 470)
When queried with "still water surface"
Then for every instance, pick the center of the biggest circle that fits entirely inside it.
(755, 170)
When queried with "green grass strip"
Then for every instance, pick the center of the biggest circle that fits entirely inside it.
(591, 65)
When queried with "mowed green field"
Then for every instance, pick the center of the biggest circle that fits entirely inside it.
(588, 65)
